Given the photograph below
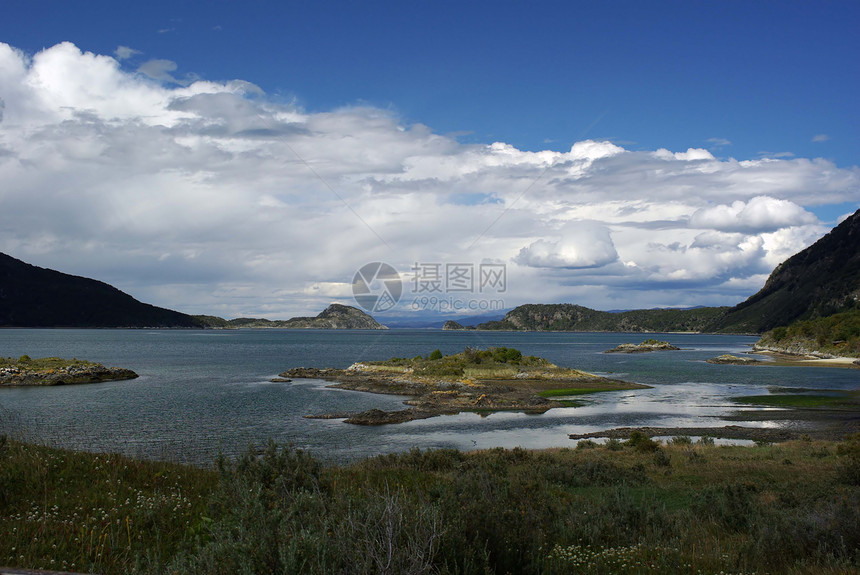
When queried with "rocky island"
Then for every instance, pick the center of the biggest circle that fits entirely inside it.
(495, 379)
(25, 371)
(645, 346)
(729, 359)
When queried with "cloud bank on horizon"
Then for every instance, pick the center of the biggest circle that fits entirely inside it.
(212, 197)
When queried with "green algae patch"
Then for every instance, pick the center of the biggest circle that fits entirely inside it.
(830, 399)
(564, 392)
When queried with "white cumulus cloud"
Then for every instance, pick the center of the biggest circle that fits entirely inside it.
(581, 245)
(759, 214)
(212, 197)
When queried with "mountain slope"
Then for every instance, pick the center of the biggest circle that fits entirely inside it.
(817, 282)
(569, 317)
(31, 296)
(837, 335)
(335, 316)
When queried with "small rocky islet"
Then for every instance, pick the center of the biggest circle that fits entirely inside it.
(495, 379)
(644, 347)
(48, 371)
(729, 359)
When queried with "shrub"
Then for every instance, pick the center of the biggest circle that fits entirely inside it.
(614, 445)
(642, 442)
(733, 505)
(436, 354)
(661, 458)
(848, 467)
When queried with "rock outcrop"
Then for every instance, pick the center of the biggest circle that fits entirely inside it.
(74, 373)
(728, 359)
(644, 347)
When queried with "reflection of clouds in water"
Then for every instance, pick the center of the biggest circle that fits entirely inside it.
(677, 405)
(199, 395)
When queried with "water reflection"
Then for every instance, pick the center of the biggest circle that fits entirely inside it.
(204, 392)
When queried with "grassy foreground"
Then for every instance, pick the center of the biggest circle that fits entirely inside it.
(632, 507)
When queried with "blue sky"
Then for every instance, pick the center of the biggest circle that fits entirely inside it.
(768, 77)
(419, 87)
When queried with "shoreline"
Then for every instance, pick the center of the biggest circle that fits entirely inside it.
(787, 359)
(760, 434)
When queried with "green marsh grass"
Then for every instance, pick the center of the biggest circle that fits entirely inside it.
(566, 392)
(625, 507)
(834, 399)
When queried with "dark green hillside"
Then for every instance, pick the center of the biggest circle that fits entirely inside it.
(31, 296)
(569, 317)
(821, 280)
(838, 334)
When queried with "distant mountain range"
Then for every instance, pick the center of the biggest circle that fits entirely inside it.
(431, 320)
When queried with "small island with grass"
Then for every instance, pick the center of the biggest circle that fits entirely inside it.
(45, 371)
(494, 379)
(644, 347)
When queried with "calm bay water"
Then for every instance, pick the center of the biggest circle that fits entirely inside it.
(201, 392)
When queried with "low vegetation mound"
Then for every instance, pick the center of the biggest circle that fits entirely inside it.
(495, 362)
(57, 371)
